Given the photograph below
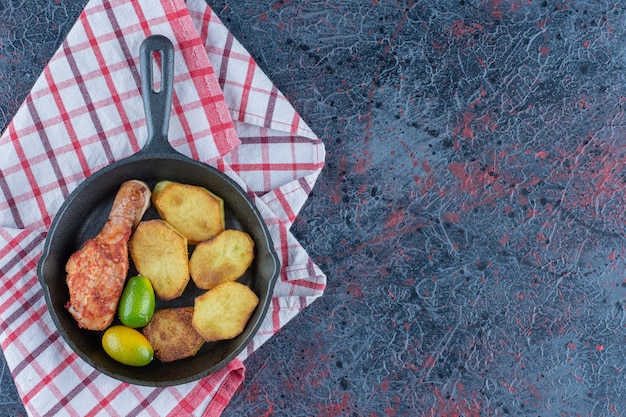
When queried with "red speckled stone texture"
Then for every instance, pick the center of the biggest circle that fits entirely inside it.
(470, 217)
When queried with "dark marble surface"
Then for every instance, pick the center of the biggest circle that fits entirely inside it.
(470, 217)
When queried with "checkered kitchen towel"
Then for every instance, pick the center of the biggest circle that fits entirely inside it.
(84, 112)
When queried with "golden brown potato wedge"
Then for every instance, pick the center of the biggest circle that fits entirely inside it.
(222, 312)
(160, 253)
(224, 258)
(193, 211)
(172, 335)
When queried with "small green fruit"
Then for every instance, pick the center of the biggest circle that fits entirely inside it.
(137, 303)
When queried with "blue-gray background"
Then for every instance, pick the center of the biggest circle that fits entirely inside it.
(470, 217)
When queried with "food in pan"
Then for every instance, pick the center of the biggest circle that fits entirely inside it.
(160, 253)
(97, 271)
(127, 346)
(224, 258)
(222, 312)
(137, 302)
(172, 335)
(193, 211)
(96, 275)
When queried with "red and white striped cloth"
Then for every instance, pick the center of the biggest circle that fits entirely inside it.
(84, 112)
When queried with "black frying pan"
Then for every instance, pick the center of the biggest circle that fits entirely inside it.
(85, 211)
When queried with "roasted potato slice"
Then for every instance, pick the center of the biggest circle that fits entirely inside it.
(224, 258)
(160, 253)
(222, 312)
(172, 335)
(193, 211)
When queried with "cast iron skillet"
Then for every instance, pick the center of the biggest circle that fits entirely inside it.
(86, 210)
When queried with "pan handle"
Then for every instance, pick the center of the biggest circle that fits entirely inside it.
(157, 104)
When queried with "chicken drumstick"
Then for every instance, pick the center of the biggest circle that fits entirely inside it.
(97, 271)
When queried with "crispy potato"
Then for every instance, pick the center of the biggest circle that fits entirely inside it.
(160, 254)
(222, 312)
(193, 211)
(172, 335)
(224, 258)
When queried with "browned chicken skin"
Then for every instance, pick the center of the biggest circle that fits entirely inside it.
(96, 272)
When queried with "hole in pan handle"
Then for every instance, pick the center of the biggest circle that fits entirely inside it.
(157, 104)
